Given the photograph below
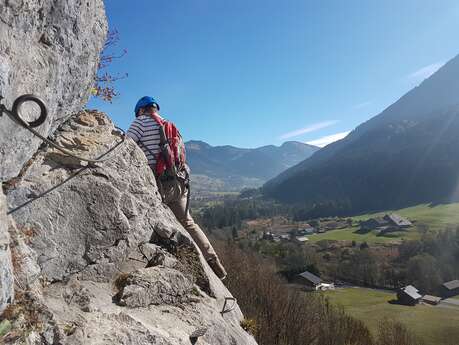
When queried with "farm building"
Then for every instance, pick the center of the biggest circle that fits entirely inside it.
(268, 236)
(308, 279)
(373, 223)
(285, 237)
(325, 286)
(397, 220)
(301, 239)
(450, 289)
(306, 230)
(408, 295)
(434, 300)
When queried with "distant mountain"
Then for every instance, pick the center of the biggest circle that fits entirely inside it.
(408, 154)
(229, 168)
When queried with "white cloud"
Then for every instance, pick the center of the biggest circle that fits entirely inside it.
(324, 141)
(425, 72)
(361, 105)
(312, 128)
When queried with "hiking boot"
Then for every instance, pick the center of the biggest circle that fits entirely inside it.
(217, 267)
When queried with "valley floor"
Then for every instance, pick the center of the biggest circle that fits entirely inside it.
(434, 325)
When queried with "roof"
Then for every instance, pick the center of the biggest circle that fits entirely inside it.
(310, 277)
(302, 238)
(431, 298)
(399, 220)
(411, 291)
(451, 285)
(377, 220)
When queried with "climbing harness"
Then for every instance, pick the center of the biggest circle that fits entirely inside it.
(186, 180)
(226, 308)
(14, 114)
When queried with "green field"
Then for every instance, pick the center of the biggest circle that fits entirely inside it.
(433, 324)
(351, 234)
(435, 218)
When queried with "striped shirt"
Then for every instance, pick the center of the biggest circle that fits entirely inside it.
(145, 132)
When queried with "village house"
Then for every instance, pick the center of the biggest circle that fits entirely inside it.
(308, 279)
(301, 239)
(397, 221)
(306, 230)
(408, 295)
(450, 289)
(388, 223)
(268, 236)
(433, 300)
(285, 237)
(373, 223)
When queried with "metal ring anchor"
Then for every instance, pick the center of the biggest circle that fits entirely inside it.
(14, 115)
(30, 98)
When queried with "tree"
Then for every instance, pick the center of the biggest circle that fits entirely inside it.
(104, 83)
(234, 233)
(423, 272)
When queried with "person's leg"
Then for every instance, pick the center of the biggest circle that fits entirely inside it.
(178, 207)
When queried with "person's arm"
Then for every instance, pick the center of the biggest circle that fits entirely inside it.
(135, 132)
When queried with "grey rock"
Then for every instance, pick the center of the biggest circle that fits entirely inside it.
(49, 48)
(156, 256)
(76, 293)
(6, 267)
(91, 239)
(27, 271)
(80, 226)
(155, 285)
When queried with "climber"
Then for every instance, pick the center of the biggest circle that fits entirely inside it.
(163, 146)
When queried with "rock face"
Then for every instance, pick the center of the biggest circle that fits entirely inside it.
(49, 48)
(96, 257)
(6, 269)
(114, 265)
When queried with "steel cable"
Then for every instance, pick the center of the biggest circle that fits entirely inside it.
(14, 115)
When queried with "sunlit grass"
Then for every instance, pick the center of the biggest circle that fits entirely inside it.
(425, 217)
(434, 324)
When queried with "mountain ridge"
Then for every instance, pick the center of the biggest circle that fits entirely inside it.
(236, 168)
(426, 115)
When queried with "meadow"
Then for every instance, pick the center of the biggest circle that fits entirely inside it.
(426, 217)
(433, 324)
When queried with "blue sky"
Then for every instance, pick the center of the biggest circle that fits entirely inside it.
(260, 72)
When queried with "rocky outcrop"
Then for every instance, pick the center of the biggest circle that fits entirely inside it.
(114, 265)
(95, 255)
(49, 48)
(6, 268)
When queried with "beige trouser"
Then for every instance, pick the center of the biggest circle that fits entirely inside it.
(175, 194)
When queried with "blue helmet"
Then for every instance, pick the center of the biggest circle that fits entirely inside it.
(144, 102)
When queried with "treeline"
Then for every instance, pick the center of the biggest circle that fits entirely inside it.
(279, 315)
(233, 212)
(430, 261)
(426, 263)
